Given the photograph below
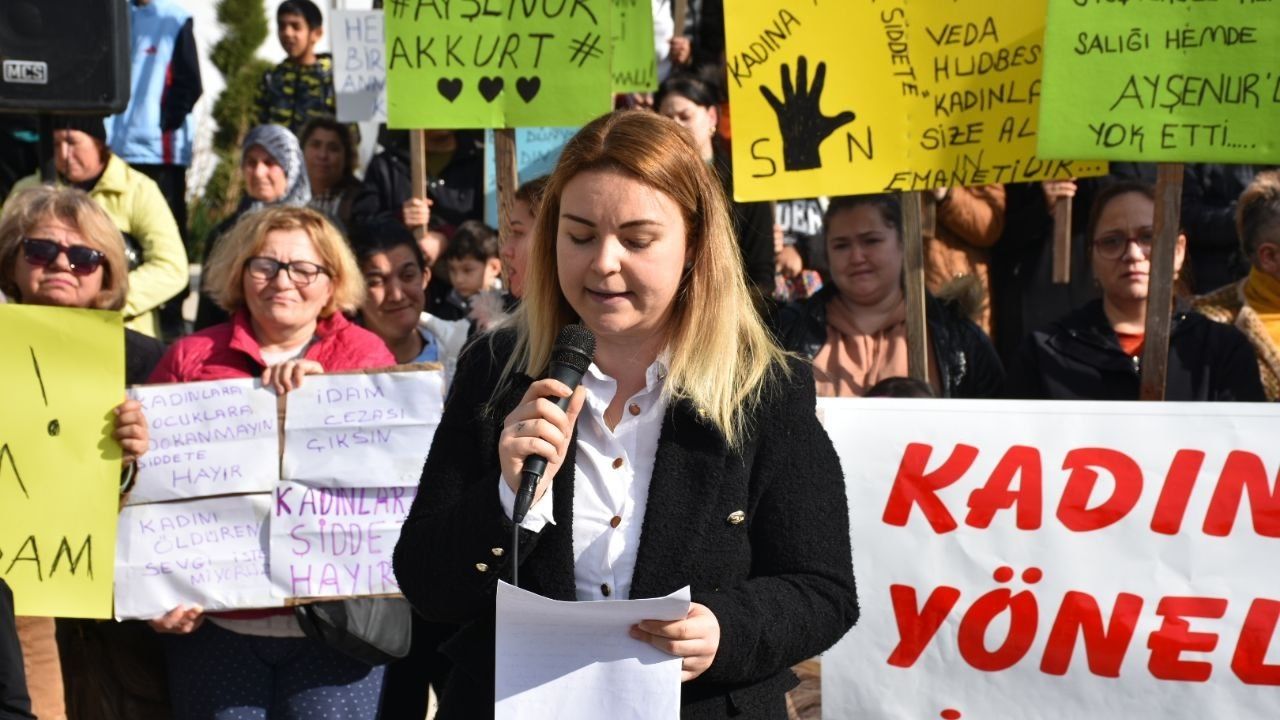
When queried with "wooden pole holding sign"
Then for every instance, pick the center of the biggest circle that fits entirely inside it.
(681, 12)
(1062, 210)
(913, 270)
(418, 172)
(1155, 349)
(504, 148)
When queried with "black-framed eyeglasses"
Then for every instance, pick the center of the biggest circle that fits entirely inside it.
(1113, 246)
(301, 272)
(82, 259)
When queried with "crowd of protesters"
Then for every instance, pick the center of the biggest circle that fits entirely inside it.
(326, 266)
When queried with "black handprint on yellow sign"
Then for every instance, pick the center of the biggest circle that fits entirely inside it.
(800, 119)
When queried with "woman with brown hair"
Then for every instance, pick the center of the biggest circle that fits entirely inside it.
(1252, 305)
(1095, 352)
(687, 467)
(329, 151)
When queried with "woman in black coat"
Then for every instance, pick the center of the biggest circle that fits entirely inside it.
(854, 329)
(740, 494)
(1094, 353)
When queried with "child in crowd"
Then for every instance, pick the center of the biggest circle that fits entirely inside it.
(474, 267)
(300, 88)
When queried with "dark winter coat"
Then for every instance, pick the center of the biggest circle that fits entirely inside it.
(141, 355)
(968, 366)
(1079, 358)
(780, 583)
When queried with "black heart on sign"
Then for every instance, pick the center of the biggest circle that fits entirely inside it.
(490, 87)
(528, 87)
(449, 88)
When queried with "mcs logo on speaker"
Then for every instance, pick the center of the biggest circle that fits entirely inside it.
(27, 72)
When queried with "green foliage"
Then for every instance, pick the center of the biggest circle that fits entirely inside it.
(247, 28)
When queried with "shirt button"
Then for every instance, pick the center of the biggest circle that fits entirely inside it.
(634, 408)
(605, 589)
(616, 521)
(481, 567)
(497, 552)
(617, 463)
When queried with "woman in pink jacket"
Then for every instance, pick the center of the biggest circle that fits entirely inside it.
(285, 274)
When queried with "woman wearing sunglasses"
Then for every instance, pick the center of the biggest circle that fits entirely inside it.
(58, 248)
(135, 205)
(285, 275)
(1095, 352)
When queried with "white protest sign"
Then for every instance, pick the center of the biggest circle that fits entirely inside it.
(335, 542)
(1077, 560)
(210, 552)
(362, 430)
(359, 65)
(207, 438)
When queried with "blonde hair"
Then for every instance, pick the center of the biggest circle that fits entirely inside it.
(1258, 212)
(28, 208)
(224, 270)
(713, 308)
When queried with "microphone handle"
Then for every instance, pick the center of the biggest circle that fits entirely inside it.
(536, 465)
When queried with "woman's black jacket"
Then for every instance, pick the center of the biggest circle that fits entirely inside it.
(780, 583)
(968, 366)
(1079, 358)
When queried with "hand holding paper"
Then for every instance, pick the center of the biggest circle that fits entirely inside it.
(574, 661)
(695, 639)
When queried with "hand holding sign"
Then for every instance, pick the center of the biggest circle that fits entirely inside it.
(800, 119)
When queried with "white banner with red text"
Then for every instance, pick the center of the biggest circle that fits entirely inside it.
(1067, 559)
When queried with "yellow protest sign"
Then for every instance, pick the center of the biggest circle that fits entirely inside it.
(59, 465)
(843, 97)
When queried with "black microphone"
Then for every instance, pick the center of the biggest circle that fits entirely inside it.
(575, 347)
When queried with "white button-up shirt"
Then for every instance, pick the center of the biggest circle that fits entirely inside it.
(611, 484)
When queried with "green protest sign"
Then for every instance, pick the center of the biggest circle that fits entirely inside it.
(635, 64)
(497, 63)
(1158, 80)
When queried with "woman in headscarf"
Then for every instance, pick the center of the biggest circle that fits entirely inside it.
(274, 173)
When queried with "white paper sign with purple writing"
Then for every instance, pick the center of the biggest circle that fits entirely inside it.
(362, 430)
(207, 438)
(210, 552)
(335, 542)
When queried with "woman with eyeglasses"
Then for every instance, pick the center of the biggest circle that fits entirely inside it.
(59, 248)
(1095, 352)
(285, 275)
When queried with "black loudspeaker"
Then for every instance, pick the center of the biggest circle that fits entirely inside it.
(64, 56)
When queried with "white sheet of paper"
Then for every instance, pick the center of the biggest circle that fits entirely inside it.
(359, 69)
(575, 660)
(207, 438)
(335, 542)
(362, 430)
(211, 552)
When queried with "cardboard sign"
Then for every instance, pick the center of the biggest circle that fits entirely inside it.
(1178, 82)
(336, 542)
(845, 98)
(362, 430)
(1106, 560)
(59, 465)
(635, 63)
(504, 64)
(211, 552)
(359, 65)
(537, 152)
(207, 438)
